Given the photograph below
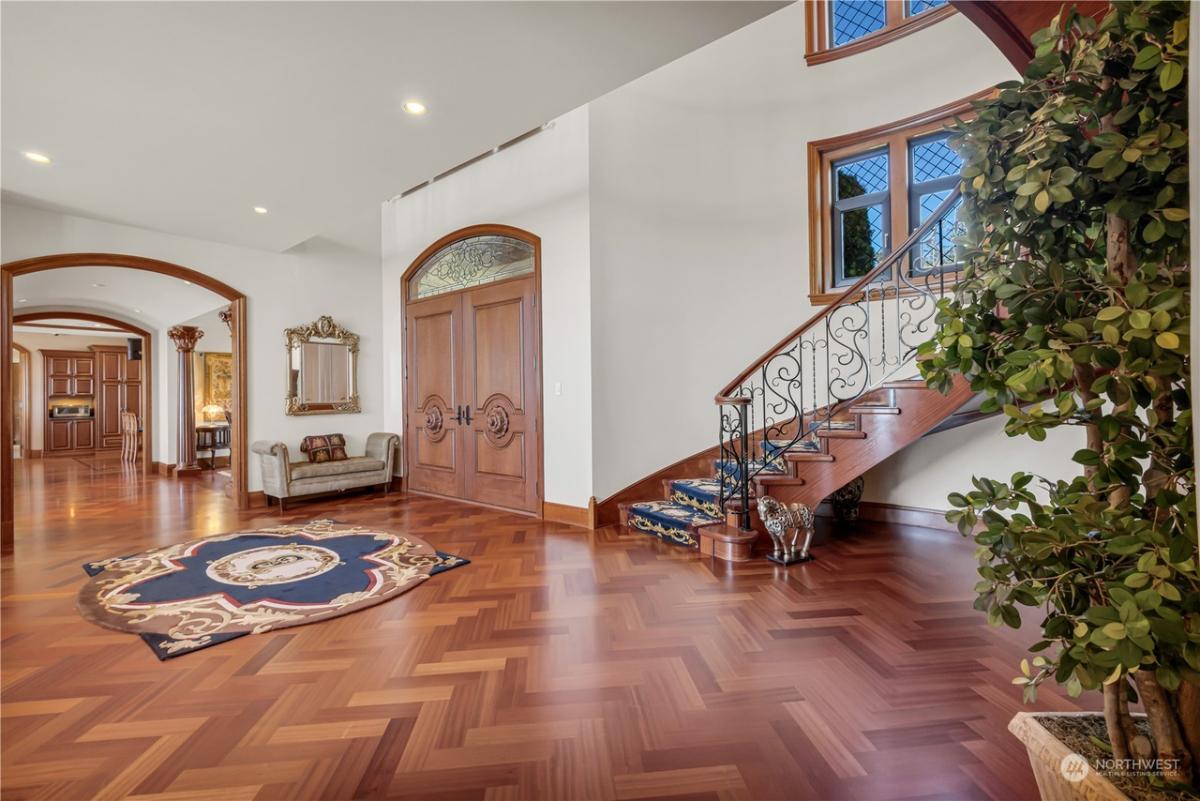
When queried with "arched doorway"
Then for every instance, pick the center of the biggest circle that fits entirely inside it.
(147, 384)
(238, 328)
(472, 368)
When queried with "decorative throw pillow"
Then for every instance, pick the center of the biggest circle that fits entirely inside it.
(324, 447)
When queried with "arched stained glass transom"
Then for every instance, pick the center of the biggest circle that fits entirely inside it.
(471, 261)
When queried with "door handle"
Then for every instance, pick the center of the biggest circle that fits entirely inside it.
(467, 413)
(458, 415)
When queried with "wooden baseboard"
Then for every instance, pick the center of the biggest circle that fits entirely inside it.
(34, 454)
(163, 469)
(895, 513)
(257, 499)
(571, 515)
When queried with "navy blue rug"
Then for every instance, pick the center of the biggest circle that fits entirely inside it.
(192, 595)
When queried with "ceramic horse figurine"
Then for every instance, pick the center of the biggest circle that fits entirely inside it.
(780, 521)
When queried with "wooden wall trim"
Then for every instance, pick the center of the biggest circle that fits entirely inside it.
(26, 393)
(237, 302)
(6, 416)
(571, 515)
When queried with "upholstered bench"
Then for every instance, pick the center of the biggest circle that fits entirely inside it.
(283, 479)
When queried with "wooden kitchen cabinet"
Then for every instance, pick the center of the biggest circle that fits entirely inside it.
(120, 390)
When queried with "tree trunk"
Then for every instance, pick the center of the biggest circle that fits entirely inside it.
(1117, 735)
(1175, 758)
(1187, 702)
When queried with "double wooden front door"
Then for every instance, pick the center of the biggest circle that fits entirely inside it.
(473, 395)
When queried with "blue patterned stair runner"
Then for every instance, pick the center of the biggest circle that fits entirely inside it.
(696, 501)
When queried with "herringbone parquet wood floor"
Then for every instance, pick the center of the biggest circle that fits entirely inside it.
(562, 664)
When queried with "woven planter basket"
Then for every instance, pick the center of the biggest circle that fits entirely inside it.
(1046, 754)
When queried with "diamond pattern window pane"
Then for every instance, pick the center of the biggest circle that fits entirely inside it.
(917, 6)
(933, 159)
(862, 177)
(470, 262)
(931, 255)
(862, 240)
(853, 19)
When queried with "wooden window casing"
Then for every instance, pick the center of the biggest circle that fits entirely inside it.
(901, 216)
(819, 47)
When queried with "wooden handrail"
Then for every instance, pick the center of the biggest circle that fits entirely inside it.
(892, 260)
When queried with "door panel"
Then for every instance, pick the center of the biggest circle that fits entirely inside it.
(110, 365)
(58, 366)
(60, 386)
(84, 434)
(500, 343)
(108, 412)
(58, 435)
(432, 390)
(133, 369)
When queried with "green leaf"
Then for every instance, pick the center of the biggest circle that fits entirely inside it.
(1175, 215)
(1170, 75)
(1149, 56)
(1167, 340)
(1153, 231)
(1137, 293)
(1139, 319)
(1042, 201)
(1028, 188)
(1110, 313)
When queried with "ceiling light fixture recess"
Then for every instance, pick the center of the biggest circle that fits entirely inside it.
(260, 210)
(36, 158)
(414, 107)
(22, 300)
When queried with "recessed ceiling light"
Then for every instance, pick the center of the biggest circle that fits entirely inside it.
(189, 283)
(260, 210)
(139, 311)
(96, 324)
(99, 286)
(414, 107)
(22, 300)
(37, 158)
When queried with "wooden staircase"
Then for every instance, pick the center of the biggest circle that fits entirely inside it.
(829, 402)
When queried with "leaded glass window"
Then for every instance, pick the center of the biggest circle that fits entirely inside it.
(933, 174)
(472, 261)
(915, 7)
(860, 215)
(853, 19)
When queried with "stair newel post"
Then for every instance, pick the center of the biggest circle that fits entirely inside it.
(744, 463)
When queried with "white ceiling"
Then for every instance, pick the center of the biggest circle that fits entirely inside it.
(157, 300)
(183, 116)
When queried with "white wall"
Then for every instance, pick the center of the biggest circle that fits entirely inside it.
(282, 289)
(541, 186)
(699, 232)
(35, 344)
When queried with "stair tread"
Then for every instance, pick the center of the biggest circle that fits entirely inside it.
(671, 512)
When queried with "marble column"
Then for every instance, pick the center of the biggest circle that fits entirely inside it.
(185, 338)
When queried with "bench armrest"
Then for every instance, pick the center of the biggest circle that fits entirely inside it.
(276, 467)
(382, 446)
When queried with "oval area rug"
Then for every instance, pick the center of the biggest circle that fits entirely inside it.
(194, 594)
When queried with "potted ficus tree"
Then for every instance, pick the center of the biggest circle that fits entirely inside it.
(1073, 310)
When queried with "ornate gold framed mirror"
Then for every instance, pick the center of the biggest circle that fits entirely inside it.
(322, 369)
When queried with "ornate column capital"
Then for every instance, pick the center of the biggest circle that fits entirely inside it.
(226, 315)
(185, 337)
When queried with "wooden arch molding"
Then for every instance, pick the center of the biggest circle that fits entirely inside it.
(237, 304)
(147, 360)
